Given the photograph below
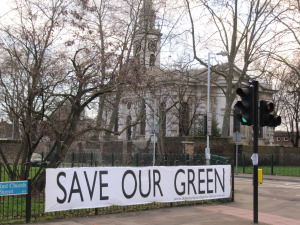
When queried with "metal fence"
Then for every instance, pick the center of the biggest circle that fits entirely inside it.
(272, 164)
(13, 208)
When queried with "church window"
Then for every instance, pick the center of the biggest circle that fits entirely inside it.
(129, 105)
(184, 119)
(152, 60)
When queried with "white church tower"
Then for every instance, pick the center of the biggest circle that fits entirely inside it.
(148, 37)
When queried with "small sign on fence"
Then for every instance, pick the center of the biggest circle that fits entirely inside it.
(18, 188)
(13, 188)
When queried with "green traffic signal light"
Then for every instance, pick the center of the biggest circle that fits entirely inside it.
(246, 105)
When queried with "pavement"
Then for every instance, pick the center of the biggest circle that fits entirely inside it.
(233, 213)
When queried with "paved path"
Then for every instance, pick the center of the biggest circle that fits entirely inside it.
(279, 203)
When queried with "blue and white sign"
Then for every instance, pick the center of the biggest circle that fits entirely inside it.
(13, 188)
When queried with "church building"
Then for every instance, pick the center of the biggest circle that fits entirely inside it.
(173, 103)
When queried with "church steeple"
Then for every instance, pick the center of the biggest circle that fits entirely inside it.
(147, 16)
(147, 40)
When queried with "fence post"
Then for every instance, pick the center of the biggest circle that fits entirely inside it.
(137, 159)
(243, 163)
(0, 171)
(232, 181)
(112, 159)
(187, 159)
(28, 202)
(91, 159)
(73, 159)
(166, 159)
(272, 165)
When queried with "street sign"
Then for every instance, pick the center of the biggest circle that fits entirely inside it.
(13, 188)
(237, 137)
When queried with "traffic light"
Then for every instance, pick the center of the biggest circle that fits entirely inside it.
(246, 106)
(266, 118)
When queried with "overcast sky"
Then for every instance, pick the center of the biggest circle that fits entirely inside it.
(4, 6)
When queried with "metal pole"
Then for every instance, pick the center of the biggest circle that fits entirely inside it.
(236, 157)
(207, 150)
(154, 126)
(255, 153)
(28, 202)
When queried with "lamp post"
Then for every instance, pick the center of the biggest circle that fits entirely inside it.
(207, 150)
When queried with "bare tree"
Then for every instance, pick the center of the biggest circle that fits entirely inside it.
(243, 29)
(28, 71)
(287, 97)
(49, 78)
(283, 67)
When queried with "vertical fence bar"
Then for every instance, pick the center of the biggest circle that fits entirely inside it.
(243, 163)
(165, 159)
(112, 159)
(91, 159)
(272, 171)
(232, 181)
(28, 202)
(187, 159)
(137, 159)
(73, 159)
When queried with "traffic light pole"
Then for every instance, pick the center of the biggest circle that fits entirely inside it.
(255, 153)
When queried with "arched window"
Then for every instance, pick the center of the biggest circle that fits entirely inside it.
(152, 60)
(184, 119)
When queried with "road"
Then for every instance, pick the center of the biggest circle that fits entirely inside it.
(275, 197)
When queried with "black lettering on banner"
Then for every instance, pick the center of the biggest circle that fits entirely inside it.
(60, 201)
(140, 184)
(217, 175)
(135, 185)
(200, 181)
(209, 180)
(91, 192)
(156, 183)
(102, 185)
(182, 183)
(191, 180)
(77, 190)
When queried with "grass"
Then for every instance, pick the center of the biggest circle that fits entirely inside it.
(277, 170)
(5, 177)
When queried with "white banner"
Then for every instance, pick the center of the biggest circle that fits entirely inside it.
(94, 187)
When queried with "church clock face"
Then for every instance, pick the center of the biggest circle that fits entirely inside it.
(152, 45)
